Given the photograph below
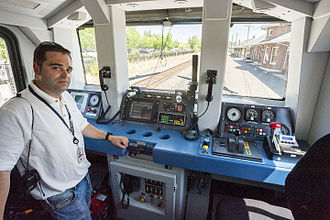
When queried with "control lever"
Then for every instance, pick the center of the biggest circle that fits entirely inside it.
(276, 133)
(236, 145)
(240, 146)
(231, 145)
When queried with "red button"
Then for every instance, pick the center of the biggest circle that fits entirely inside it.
(89, 109)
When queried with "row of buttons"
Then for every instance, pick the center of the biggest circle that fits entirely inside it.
(154, 190)
(245, 130)
(153, 182)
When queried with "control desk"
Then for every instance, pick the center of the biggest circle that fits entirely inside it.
(153, 122)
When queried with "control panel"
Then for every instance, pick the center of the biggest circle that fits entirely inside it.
(240, 127)
(88, 102)
(168, 109)
(238, 148)
(140, 147)
(252, 121)
(142, 188)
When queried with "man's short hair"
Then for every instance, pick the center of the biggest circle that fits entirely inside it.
(39, 55)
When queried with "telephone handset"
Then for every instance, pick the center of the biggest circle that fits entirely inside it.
(105, 72)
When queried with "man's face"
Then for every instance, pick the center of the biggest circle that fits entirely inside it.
(54, 75)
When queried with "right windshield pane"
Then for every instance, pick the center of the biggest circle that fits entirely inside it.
(258, 59)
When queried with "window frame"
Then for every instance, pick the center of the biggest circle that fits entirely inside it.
(271, 56)
(270, 32)
(264, 60)
(13, 50)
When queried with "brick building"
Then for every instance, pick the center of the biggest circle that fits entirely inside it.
(271, 51)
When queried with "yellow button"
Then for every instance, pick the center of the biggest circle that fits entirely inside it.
(205, 147)
(142, 199)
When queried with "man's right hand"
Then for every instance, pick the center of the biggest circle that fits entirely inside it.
(4, 189)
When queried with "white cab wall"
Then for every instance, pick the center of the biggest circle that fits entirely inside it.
(215, 32)
(68, 38)
(26, 50)
(112, 51)
(305, 76)
(321, 119)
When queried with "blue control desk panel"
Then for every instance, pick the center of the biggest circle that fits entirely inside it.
(168, 147)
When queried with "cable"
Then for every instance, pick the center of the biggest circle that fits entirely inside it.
(161, 55)
(194, 126)
(124, 204)
(101, 118)
(207, 107)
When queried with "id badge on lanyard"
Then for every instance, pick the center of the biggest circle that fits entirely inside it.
(80, 154)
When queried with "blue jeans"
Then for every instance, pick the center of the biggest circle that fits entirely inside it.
(73, 203)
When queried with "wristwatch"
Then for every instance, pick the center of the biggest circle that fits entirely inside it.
(107, 136)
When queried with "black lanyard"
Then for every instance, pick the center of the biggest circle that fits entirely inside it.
(71, 128)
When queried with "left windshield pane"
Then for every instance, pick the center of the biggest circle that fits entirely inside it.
(7, 81)
(89, 55)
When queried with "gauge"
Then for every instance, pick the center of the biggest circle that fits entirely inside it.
(234, 114)
(267, 116)
(251, 115)
(94, 100)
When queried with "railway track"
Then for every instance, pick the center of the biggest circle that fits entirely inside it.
(157, 79)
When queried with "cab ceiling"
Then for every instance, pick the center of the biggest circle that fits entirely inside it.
(240, 14)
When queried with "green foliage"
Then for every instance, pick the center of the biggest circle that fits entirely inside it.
(133, 38)
(137, 41)
(87, 39)
(3, 50)
(92, 68)
(151, 41)
(194, 43)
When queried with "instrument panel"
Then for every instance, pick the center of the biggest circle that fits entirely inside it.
(168, 109)
(252, 121)
(88, 102)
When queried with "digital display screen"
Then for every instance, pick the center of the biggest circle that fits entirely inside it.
(171, 119)
(79, 99)
(141, 110)
(287, 138)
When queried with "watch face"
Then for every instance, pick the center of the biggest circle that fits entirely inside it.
(94, 100)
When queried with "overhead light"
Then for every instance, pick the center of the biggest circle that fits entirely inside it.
(132, 5)
(188, 10)
(180, 2)
(167, 22)
(261, 6)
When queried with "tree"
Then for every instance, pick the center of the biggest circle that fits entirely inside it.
(87, 39)
(3, 50)
(133, 38)
(194, 43)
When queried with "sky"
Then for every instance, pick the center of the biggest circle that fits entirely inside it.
(184, 32)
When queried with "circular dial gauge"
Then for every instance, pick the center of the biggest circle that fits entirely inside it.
(94, 100)
(267, 116)
(251, 114)
(234, 114)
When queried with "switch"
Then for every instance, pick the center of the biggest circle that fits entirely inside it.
(205, 147)
(231, 145)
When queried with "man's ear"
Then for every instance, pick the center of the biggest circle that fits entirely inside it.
(36, 69)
